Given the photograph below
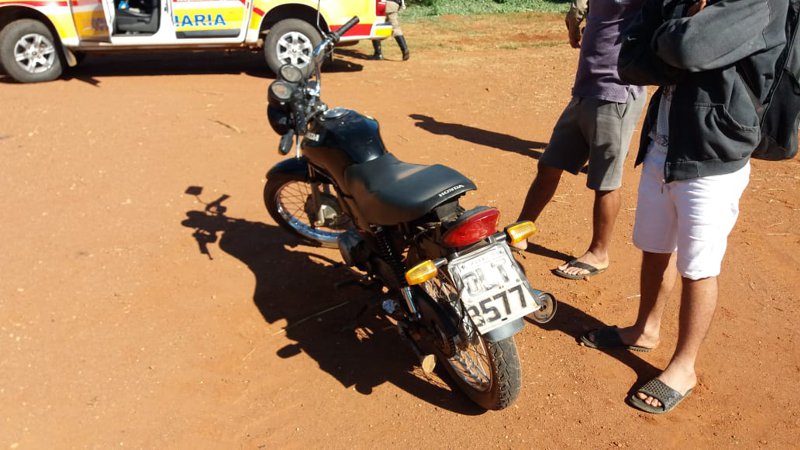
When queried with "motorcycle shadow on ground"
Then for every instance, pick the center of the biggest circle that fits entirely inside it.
(339, 328)
(479, 136)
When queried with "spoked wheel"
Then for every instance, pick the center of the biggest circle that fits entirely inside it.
(314, 217)
(488, 372)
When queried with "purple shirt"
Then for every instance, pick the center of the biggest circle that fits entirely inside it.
(597, 75)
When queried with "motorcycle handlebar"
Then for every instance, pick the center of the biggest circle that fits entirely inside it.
(323, 47)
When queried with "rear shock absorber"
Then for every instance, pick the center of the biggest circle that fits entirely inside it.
(387, 253)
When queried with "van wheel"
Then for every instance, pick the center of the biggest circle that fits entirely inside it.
(291, 41)
(29, 53)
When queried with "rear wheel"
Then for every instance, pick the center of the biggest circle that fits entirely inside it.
(29, 53)
(315, 217)
(488, 372)
(291, 41)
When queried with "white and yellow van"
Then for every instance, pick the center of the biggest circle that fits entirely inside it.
(39, 37)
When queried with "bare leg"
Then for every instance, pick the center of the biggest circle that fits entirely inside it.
(698, 303)
(656, 283)
(604, 215)
(539, 195)
(541, 192)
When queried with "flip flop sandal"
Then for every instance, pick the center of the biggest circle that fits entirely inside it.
(590, 270)
(607, 338)
(656, 388)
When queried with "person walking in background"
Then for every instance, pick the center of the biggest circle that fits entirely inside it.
(595, 127)
(393, 8)
(698, 135)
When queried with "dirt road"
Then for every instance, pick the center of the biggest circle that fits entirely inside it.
(130, 317)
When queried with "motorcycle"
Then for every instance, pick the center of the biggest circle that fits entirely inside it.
(455, 291)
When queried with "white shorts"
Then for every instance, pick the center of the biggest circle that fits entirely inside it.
(693, 217)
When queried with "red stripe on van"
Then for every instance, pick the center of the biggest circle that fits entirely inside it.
(362, 29)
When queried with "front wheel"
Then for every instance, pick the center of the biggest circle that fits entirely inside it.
(310, 211)
(29, 53)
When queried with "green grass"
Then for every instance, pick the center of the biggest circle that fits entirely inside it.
(427, 8)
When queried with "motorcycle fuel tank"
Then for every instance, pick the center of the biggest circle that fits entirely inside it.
(341, 138)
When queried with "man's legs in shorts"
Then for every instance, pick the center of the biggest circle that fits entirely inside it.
(694, 217)
(598, 132)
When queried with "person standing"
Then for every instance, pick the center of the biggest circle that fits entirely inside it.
(699, 132)
(595, 127)
(393, 8)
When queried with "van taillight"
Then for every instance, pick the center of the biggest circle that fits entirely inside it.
(472, 228)
(380, 8)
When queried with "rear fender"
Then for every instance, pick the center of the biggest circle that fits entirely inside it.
(505, 331)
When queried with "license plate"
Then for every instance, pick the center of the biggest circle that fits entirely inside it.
(493, 288)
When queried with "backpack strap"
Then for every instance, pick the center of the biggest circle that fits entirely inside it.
(791, 35)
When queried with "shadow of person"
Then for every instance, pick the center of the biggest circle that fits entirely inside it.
(352, 54)
(575, 323)
(537, 249)
(338, 65)
(340, 329)
(481, 137)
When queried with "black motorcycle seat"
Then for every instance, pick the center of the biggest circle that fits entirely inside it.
(389, 191)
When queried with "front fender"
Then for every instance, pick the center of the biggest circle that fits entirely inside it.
(293, 166)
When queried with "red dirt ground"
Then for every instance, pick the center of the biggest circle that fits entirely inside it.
(116, 330)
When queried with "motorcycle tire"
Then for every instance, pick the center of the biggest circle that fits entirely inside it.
(299, 226)
(505, 375)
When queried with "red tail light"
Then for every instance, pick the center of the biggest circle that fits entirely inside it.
(472, 228)
(380, 8)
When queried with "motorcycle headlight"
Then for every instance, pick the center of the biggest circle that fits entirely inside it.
(290, 73)
(280, 91)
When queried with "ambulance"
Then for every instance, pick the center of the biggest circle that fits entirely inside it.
(38, 38)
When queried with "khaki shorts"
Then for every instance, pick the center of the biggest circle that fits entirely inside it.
(594, 131)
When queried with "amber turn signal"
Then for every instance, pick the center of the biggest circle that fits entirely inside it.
(421, 273)
(520, 231)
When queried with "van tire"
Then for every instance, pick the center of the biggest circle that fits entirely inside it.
(33, 35)
(295, 31)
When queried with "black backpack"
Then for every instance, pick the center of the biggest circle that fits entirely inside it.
(780, 112)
